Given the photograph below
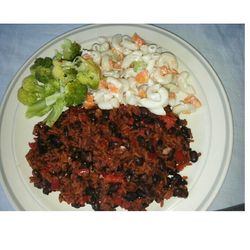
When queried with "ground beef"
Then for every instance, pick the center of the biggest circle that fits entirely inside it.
(126, 157)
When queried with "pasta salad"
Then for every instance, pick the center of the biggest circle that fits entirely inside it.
(142, 74)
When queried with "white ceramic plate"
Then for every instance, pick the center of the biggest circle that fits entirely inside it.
(211, 125)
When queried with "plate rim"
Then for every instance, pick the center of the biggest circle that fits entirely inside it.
(227, 154)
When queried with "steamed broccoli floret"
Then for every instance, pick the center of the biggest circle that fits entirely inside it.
(51, 87)
(25, 97)
(64, 74)
(88, 72)
(42, 69)
(70, 50)
(75, 93)
(31, 91)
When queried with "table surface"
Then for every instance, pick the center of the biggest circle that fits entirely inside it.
(222, 45)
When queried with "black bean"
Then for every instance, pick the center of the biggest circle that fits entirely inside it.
(135, 126)
(160, 143)
(185, 132)
(178, 122)
(178, 180)
(65, 131)
(42, 148)
(113, 188)
(90, 191)
(93, 118)
(141, 193)
(141, 140)
(139, 161)
(38, 185)
(96, 206)
(143, 177)
(46, 183)
(171, 171)
(86, 164)
(129, 174)
(120, 168)
(79, 178)
(193, 156)
(149, 120)
(46, 190)
(172, 131)
(79, 155)
(105, 115)
(75, 205)
(36, 173)
(144, 112)
(180, 192)
(112, 144)
(54, 141)
(131, 196)
(136, 117)
(117, 134)
(161, 123)
(112, 125)
(161, 164)
(149, 147)
(156, 178)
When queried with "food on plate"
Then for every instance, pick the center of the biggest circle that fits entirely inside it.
(117, 70)
(111, 136)
(127, 157)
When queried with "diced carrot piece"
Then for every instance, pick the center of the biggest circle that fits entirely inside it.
(103, 84)
(113, 88)
(142, 93)
(89, 102)
(142, 77)
(164, 70)
(137, 39)
(191, 99)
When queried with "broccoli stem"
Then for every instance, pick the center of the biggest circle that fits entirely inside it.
(55, 112)
(40, 108)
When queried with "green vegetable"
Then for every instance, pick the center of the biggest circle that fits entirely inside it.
(39, 108)
(75, 93)
(58, 83)
(88, 72)
(31, 91)
(70, 50)
(26, 98)
(65, 75)
(42, 69)
(55, 113)
(139, 65)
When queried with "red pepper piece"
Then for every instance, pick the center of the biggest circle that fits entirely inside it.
(55, 184)
(168, 120)
(179, 156)
(33, 145)
(113, 178)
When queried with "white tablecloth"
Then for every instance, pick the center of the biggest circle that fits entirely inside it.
(222, 45)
